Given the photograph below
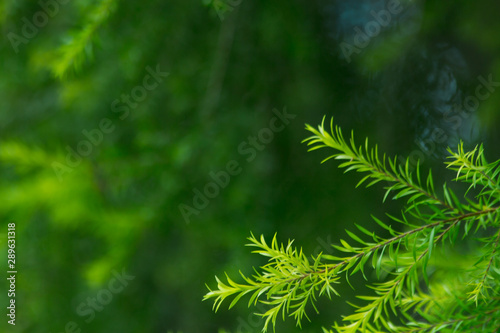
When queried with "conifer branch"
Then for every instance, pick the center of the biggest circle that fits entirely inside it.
(72, 54)
(482, 287)
(472, 167)
(368, 160)
(291, 282)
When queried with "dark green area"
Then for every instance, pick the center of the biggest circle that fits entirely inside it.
(118, 207)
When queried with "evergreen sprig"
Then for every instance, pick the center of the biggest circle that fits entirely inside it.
(415, 289)
(78, 46)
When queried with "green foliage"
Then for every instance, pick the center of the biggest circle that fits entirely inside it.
(420, 280)
(72, 53)
(78, 44)
(118, 207)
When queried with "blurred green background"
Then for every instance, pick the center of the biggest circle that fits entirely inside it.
(75, 79)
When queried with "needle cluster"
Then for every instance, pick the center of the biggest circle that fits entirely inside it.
(422, 278)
